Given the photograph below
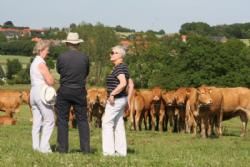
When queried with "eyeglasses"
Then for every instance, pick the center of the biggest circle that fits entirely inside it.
(112, 52)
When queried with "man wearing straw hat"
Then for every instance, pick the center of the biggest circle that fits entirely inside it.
(73, 67)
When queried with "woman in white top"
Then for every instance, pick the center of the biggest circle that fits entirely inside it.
(43, 116)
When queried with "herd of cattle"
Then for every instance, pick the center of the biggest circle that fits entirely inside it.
(185, 109)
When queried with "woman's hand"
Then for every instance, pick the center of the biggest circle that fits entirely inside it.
(111, 100)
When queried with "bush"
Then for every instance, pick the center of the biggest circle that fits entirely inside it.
(13, 67)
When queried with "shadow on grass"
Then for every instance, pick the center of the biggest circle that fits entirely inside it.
(131, 151)
(92, 151)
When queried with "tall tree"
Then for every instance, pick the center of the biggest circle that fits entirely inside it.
(8, 24)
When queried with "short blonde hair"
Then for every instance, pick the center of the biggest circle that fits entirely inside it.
(119, 49)
(41, 45)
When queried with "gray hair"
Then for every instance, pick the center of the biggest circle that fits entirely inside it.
(120, 50)
(40, 45)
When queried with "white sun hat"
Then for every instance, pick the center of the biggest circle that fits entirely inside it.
(48, 95)
(73, 37)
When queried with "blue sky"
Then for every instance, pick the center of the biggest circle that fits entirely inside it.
(143, 15)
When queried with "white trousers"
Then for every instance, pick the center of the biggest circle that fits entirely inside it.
(43, 122)
(113, 130)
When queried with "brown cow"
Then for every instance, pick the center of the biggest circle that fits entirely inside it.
(226, 104)
(157, 109)
(196, 98)
(181, 98)
(136, 110)
(153, 108)
(10, 101)
(96, 99)
(169, 101)
(236, 102)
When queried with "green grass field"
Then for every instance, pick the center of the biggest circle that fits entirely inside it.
(145, 148)
(22, 59)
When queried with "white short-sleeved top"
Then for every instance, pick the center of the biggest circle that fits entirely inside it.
(36, 76)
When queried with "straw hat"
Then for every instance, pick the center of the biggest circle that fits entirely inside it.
(73, 37)
(48, 95)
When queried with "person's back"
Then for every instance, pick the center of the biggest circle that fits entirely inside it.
(73, 67)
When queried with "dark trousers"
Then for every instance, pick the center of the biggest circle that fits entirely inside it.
(77, 98)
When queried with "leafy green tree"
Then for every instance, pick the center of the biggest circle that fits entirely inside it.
(2, 74)
(195, 28)
(8, 24)
(13, 67)
(2, 37)
(23, 76)
(50, 63)
(98, 41)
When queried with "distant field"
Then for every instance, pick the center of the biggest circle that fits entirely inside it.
(246, 41)
(24, 60)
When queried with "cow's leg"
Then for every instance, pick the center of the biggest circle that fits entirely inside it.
(145, 119)
(187, 118)
(137, 120)
(132, 120)
(161, 122)
(152, 120)
(171, 121)
(9, 113)
(203, 127)
(244, 120)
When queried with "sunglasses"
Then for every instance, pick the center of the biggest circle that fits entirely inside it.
(112, 52)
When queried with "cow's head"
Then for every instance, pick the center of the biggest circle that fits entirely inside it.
(102, 97)
(169, 98)
(181, 97)
(25, 96)
(157, 93)
(204, 98)
(92, 98)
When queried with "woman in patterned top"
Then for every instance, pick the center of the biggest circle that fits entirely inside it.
(113, 130)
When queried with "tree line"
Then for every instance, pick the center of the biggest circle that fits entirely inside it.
(164, 61)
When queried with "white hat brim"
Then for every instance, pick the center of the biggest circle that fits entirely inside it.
(73, 42)
(43, 94)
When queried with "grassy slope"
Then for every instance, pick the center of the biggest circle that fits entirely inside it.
(145, 148)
